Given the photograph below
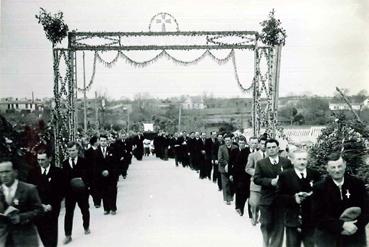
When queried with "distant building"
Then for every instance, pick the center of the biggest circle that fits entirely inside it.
(358, 103)
(28, 105)
(193, 103)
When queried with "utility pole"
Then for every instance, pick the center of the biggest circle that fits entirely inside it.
(84, 96)
(96, 112)
(179, 117)
(127, 120)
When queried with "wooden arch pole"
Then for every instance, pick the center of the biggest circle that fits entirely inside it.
(254, 90)
(275, 77)
(72, 91)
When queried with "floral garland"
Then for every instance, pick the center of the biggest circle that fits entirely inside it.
(165, 54)
(63, 111)
(88, 87)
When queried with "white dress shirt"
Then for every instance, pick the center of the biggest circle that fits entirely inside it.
(298, 172)
(275, 160)
(47, 170)
(9, 192)
(71, 163)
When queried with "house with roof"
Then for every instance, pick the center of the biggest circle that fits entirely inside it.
(18, 105)
(193, 103)
(357, 102)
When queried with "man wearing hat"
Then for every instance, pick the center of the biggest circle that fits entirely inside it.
(340, 207)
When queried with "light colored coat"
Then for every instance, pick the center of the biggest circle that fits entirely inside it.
(250, 169)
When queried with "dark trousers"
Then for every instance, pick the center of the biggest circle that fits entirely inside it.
(96, 193)
(294, 238)
(124, 168)
(47, 227)
(70, 203)
(216, 176)
(205, 169)
(242, 193)
(227, 188)
(109, 195)
(147, 151)
(176, 159)
(185, 160)
(271, 225)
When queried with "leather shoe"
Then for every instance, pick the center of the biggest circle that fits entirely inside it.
(97, 206)
(67, 240)
(228, 203)
(106, 212)
(239, 211)
(113, 212)
(87, 231)
(254, 221)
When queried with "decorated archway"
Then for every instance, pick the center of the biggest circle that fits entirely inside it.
(165, 38)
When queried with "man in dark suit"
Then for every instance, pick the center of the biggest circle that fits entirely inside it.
(217, 141)
(25, 201)
(332, 196)
(266, 175)
(139, 148)
(91, 160)
(184, 150)
(108, 171)
(77, 190)
(225, 168)
(50, 184)
(176, 146)
(205, 158)
(241, 179)
(294, 191)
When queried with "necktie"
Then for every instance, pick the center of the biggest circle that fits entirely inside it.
(302, 175)
(73, 164)
(263, 155)
(104, 152)
(340, 188)
(44, 173)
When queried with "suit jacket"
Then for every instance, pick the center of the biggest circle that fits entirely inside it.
(223, 158)
(328, 205)
(50, 188)
(214, 149)
(239, 159)
(109, 163)
(265, 171)
(289, 184)
(250, 169)
(80, 170)
(27, 201)
(91, 164)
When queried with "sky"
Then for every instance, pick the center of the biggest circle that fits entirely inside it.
(327, 46)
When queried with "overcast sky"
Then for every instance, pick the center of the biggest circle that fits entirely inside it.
(327, 45)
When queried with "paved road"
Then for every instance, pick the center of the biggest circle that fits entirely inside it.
(160, 205)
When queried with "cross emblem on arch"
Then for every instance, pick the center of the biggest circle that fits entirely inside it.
(163, 22)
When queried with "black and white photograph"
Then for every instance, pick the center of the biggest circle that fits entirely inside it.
(161, 123)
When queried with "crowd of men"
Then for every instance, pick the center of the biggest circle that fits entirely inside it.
(31, 208)
(283, 194)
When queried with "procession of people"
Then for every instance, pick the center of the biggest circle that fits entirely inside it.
(273, 188)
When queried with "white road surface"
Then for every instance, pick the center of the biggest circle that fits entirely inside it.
(160, 205)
